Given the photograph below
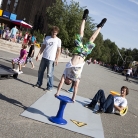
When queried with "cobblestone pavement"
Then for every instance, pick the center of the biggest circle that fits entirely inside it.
(16, 95)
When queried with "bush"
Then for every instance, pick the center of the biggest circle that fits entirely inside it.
(39, 36)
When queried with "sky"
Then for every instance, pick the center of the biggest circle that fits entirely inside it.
(122, 20)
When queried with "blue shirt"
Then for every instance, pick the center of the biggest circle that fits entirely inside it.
(33, 39)
(14, 31)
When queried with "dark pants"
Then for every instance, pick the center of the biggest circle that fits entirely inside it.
(105, 104)
(127, 77)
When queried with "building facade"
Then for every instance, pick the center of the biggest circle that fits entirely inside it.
(31, 11)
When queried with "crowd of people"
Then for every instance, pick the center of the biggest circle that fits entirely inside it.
(15, 34)
(27, 40)
(123, 70)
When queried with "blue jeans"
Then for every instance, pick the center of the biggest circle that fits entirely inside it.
(105, 104)
(45, 63)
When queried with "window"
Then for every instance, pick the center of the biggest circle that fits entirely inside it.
(15, 6)
(8, 5)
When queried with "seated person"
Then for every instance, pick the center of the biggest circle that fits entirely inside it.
(74, 68)
(112, 103)
(20, 60)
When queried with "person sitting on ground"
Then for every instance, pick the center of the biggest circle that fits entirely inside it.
(30, 55)
(112, 103)
(21, 59)
(74, 68)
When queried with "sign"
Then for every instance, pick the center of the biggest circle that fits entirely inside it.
(13, 16)
(79, 124)
(6, 14)
(1, 11)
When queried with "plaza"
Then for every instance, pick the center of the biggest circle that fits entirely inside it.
(18, 94)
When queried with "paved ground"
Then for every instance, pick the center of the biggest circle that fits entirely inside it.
(16, 95)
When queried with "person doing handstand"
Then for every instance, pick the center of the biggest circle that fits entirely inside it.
(72, 72)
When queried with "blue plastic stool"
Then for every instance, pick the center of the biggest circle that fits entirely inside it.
(58, 119)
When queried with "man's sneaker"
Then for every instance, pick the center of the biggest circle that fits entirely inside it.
(70, 90)
(85, 14)
(99, 111)
(48, 90)
(101, 24)
(20, 72)
(36, 86)
(89, 106)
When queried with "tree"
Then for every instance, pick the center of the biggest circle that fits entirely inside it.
(68, 19)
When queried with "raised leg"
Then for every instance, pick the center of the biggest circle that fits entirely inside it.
(82, 27)
(99, 26)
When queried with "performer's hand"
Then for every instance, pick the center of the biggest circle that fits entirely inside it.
(56, 95)
(73, 100)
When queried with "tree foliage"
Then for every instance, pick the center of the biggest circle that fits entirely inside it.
(68, 18)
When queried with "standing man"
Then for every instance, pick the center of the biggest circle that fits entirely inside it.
(51, 49)
(14, 31)
(129, 71)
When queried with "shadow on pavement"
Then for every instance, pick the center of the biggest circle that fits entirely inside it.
(61, 88)
(36, 111)
(12, 101)
(26, 70)
(19, 104)
(6, 60)
(134, 81)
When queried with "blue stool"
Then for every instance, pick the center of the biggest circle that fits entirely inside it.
(58, 119)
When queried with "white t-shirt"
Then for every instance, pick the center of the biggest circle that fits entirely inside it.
(51, 47)
(129, 71)
(73, 71)
(119, 101)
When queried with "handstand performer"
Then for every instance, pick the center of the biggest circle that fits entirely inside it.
(72, 72)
